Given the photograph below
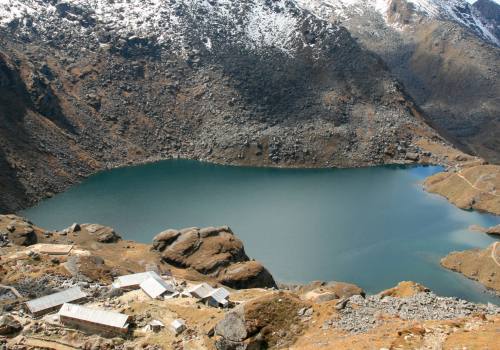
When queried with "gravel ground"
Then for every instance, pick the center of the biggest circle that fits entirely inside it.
(360, 314)
(38, 287)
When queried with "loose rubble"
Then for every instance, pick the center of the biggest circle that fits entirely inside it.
(362, 314)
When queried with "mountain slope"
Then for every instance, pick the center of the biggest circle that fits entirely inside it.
(255, 82)
(490, 15)
(445, 55)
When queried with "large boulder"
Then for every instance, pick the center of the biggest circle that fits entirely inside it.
(164, 239)
(17, 230)
(9, 325)
(213, 251)
(247, 274)
(233, 327)
(495, 230)
(271, 321)
(103, 234)
(319, 291)
(404, 289)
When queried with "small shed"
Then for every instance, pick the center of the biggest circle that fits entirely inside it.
(93, 320)
(156, 287)
(133, 281)
(154, 326)
(200, 291)
(178, 326)
(218, 298)
(52, 302)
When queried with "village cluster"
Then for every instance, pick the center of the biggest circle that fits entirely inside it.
(70, 311)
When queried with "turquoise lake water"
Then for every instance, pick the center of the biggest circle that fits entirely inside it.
(372, 226)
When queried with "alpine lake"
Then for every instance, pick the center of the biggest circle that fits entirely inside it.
(373, 227)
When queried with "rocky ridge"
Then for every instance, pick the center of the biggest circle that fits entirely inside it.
(428, 46)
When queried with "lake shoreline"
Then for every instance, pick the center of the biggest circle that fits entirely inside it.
(269, 207)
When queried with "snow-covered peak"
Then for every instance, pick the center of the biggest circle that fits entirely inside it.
(460, 11)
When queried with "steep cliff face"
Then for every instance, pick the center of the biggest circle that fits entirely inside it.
(445, 53)
(249, 82)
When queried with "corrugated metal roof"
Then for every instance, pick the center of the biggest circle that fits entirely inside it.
(220, 295)
(178, 325)
(134, 279)
(52, 249)
(56, 299)
(156, 286)
(96, 316)
(201, 290)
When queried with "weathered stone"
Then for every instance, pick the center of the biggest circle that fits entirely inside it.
(412, 156)
(249, 274)
(103, 234)
(74, 228)
(232, 326)
(164, 239)
(495, 230)
(9, 326)
(22, 234)
(213, 251)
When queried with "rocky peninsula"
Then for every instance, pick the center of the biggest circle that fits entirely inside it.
(469, 187)
(482, 265)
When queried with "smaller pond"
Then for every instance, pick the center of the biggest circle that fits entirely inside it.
(371, 226)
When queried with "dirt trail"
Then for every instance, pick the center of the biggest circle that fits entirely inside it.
(493, 253)
(474, 186)
(46, 344)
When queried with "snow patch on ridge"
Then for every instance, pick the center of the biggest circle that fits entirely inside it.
(254, 23)
(459, 11)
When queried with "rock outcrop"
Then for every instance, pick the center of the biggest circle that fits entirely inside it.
(103, 234)
(272, 321)
(444, 52)
(213, 251)
(494, 230)
(9, 326)
(404, 289)
(319, 291)
(17, 230)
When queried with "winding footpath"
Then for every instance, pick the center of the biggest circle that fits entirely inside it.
(494, 255)
(474, 186)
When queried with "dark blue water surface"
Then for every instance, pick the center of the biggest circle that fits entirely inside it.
(371, 226)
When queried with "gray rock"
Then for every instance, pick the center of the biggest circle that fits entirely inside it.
(164, 239)
(9, 326)
(412, 156)
(232, 327)
(74, 228)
